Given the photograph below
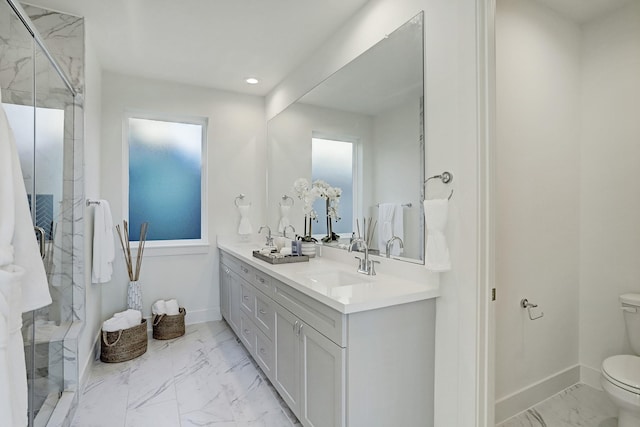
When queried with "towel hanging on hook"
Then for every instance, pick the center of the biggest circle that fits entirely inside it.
(445, 177)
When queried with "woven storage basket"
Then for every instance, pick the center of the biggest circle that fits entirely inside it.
(166, 327)
(125, 344)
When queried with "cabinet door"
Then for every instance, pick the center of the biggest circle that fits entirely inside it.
(235, 295)
(322, 378)
(287, 366)
(224, 291)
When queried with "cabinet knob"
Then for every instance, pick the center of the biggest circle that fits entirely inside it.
(226, 270)
(295, 326)
(262, 311)
(247, 332)
(246, 270)
(261, 280)
(246, 297)
(262, 350)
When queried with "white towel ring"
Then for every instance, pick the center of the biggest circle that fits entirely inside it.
(445, 177)
(283, 202)
(239, 199)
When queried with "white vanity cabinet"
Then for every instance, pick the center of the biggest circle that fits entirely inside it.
(309, 372)
(371, 368)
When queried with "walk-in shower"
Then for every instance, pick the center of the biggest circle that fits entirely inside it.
(40, 104)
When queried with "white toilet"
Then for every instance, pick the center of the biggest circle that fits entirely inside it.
(621, 374)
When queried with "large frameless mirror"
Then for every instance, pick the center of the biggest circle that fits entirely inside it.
(359, 134)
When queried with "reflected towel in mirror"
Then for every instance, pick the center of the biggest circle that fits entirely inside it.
(245, 227)
(284, 218)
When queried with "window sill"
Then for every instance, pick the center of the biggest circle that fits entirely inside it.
(157, 249)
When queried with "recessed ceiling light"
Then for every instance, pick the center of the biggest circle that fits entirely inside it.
(252, 81)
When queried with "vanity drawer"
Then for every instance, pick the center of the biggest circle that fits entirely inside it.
(264, 353)
(247, 333)
(326, 320)
(265, 315)
(262, 282)
(246, 272)
(232, 263)
(247, 299)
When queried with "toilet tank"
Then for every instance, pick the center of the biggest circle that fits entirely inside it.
(631, 310)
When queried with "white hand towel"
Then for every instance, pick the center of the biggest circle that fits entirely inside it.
(115, 324)
(23, 281)
(436, 213)
(103, 243)
(133, 317)
(284, 218)
(245, 227)
(172, 307)
(159, 307)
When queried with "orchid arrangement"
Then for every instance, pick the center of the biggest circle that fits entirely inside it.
(308, 193)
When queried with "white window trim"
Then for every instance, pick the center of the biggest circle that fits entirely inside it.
(169, 247)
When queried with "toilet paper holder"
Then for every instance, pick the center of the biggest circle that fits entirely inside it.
(524, 303)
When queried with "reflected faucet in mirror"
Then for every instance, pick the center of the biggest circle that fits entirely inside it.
(269, 241)
(390, 244)
(284, 232)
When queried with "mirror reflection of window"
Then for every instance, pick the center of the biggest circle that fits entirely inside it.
(332, 160)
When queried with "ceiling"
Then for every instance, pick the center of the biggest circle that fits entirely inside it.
(582, 11)
(209, 43)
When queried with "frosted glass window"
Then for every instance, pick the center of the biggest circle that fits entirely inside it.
(332, 161)
(165, 179)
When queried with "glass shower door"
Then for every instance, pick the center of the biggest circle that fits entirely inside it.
(40, 111)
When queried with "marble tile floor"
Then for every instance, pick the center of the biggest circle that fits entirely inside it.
(205, 378)
(577, 406)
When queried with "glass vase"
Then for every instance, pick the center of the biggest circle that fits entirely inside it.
(134, 295)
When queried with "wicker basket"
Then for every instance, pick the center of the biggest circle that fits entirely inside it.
(166, 327)
(125, 344)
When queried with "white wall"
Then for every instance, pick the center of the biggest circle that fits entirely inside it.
(92, 129)
(537, 194)
(610, 181)
(452, 144)
(236, 162)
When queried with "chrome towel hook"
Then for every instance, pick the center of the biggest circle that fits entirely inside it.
(239, 199)
(283, 202)
(524, 303)
(445, 177)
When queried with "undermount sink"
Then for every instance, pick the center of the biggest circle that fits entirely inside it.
(336, 278)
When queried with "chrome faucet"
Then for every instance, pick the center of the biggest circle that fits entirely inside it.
(269, 238)
(366, 266)
(284, 231)
(390, 243)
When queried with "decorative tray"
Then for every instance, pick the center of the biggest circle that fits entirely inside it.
(272, 259)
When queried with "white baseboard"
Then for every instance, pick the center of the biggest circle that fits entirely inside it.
(201, 316)
(529, 396)
(590, 377)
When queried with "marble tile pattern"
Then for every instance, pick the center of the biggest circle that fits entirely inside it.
(205, 378)
(577, 406)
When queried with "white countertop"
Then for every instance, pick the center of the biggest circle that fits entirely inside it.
(317, 277)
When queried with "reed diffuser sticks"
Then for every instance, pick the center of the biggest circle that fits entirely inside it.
(132, 271)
